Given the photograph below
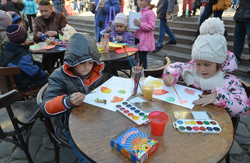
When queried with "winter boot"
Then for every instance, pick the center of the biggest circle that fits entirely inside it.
(189, 13)
(183, 14)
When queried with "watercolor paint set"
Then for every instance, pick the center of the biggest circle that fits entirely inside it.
(133, 113)
(197, 126)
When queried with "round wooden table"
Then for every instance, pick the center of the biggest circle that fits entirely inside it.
(92, 128)
(113, 55)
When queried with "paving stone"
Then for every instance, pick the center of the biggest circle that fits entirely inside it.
(246, 159)
(236, 149)
(6, 149)
(245, 119)
(34, 145)
(248, 152)
(5, 160)
(44, 155)
(67, 155)
(18, 154)
(243, 140)
(19, 161)
(242, 130)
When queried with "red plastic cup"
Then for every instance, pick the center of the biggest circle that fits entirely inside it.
(158, 121)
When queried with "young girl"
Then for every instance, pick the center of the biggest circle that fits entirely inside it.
(145, 33)
(121, 35)
(209, 71)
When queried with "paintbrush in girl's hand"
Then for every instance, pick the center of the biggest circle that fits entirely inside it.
(174, 87)
(128, 56)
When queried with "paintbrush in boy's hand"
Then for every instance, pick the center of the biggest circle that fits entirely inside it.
(174, 87)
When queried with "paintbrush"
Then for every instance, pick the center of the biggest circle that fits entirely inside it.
(174, 88)
(128, 56)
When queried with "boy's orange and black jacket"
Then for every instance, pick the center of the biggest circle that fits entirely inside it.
(63, 82)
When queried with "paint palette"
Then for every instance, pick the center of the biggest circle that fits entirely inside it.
(132, 112)
(197, 126)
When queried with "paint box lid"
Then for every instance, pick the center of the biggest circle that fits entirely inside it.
(197, 115)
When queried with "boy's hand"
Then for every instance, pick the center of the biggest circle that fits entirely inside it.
(137, 22)
(119, 38)
(205, 99)
(77, 98)
(51, 33)
(92, 6)
(39, 34)
(168, 80)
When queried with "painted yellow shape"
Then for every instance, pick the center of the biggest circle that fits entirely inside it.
(155, 83)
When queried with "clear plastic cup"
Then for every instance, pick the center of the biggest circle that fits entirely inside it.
(158, 122)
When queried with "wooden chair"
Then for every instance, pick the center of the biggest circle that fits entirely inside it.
(8, 83)
(17, 119)
(56, 134)
(157, 72)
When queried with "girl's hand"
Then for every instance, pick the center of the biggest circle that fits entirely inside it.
(51, 33)
(137, 22)
(77, 98)
(119, 38)
(168, 80)
(205, 99)
(101, 5)
(106, 35)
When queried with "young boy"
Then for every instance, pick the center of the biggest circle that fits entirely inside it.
(68, 85)
(5, 20)
(16, 53)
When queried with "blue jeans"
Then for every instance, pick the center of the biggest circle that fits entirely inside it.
(205, 15)
(81, 158)
(240, 31)
(164, 28)
(76, 6)
(57, 6)
(143, 59)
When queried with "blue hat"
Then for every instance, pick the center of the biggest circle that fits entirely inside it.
(15, 17)
(16, 33)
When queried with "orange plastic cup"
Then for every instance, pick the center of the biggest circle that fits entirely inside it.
(158, 122)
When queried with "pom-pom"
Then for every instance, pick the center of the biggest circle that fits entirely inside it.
(212, 26)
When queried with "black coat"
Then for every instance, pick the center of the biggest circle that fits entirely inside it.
(162, 7)
(243, 11)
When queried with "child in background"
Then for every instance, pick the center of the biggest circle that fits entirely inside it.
(68, 85)
(5, 20)
(16, 53)
(209, 71)
(145, 33)
(122, 35)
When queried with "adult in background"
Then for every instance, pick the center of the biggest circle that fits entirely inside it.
(163, 7)
(49, 23)
(31, 10)
(101, 9)
(12, 5)
(57, 5)
(213, 6)
(5, 20)
(242, 28)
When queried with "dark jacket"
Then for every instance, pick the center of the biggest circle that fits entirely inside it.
(243, 11)
(57, 22)
(10, 6)
(164, 6)
(63, 82)
(18, 55)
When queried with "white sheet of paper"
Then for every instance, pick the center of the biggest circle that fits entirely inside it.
(170, 96)
(132, 17)
(137, 100)
(200, 115)
(116, 85)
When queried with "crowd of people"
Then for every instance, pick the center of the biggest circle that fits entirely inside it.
(82, 71)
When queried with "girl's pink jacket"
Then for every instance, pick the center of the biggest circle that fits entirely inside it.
(232, 97)
(145, 33)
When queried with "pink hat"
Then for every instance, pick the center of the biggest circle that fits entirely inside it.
(148, 1)
(121, 18)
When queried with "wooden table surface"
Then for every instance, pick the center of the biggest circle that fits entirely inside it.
(92, 128)
(113, 55)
